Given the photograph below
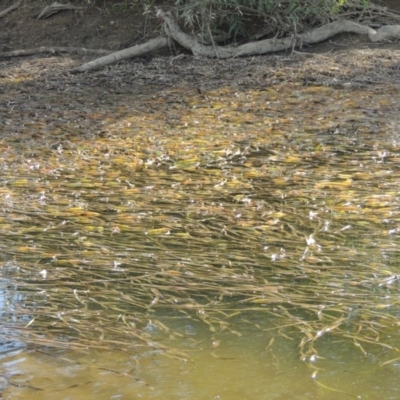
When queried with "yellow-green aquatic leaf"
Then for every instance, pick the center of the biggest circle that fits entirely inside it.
(158, 231)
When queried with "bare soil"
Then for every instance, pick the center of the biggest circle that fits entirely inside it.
(95, 27)
(346, 60)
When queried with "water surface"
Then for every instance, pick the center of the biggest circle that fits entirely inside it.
(237, 244)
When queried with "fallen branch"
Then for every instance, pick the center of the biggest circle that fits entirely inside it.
(52, 50)
(11, 8)
(56, 8)
(135, 51)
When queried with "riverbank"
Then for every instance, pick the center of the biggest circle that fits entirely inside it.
(346, 61)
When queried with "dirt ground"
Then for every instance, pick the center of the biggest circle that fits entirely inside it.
(345, 60)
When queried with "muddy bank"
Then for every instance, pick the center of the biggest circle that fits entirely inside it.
(346, 69)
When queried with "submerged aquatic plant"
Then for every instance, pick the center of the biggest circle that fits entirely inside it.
(226, 213)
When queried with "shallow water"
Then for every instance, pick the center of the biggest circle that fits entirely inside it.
(238, 244)
(240, 368)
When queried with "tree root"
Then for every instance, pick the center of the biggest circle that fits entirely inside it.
(135, 51)
(254, 48)
(52, 50)
(272, 45)
(213, 51)
(11, 8)
(56, 8)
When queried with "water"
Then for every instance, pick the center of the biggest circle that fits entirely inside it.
(247, 249)
(238, 368)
